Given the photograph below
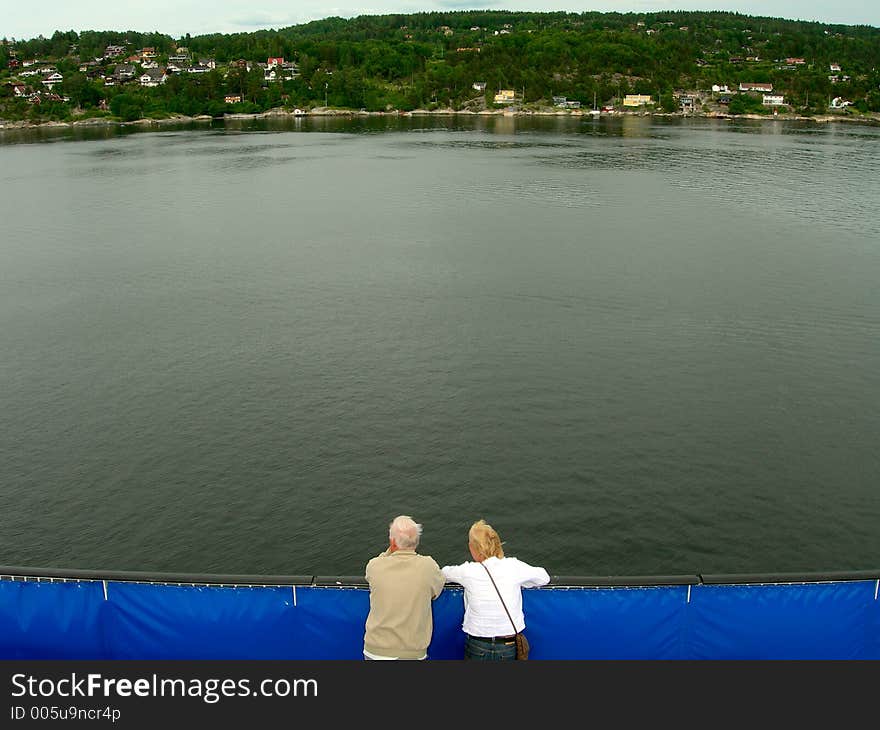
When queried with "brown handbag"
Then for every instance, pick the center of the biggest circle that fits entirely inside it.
(522, 646)
(522, 643)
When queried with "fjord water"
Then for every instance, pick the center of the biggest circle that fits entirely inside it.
(636, 347)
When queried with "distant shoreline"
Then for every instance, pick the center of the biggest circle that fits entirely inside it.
(873, 119)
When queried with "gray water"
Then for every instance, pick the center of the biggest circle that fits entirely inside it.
(634, 347)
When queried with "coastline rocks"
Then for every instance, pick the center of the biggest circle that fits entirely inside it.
(326, 111)
(94, 122)
(279, 113)
(176, 119)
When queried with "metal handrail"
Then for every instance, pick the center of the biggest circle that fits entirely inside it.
(556, 581)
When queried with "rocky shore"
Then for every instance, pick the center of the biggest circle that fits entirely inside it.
(279, 113)
(104, 122)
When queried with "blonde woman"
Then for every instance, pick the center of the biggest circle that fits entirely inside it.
(489, 634)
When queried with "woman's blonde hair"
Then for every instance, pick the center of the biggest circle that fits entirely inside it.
(485, 541)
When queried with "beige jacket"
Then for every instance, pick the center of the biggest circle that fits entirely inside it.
(402, 586)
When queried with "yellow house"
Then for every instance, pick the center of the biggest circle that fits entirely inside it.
(637, 100)
(505, 96)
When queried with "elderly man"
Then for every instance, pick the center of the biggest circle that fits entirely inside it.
(402, 586)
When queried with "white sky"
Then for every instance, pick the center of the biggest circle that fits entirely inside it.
(178, 17)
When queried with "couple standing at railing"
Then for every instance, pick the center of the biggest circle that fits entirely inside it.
(403, 584)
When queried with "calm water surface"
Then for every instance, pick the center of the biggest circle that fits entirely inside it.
(635, 347)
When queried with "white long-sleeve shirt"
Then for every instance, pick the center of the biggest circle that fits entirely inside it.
(483, 613)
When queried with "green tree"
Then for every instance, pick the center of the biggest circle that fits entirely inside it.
(127, 107)
(746, 104)
(81, 90)
(668, 102)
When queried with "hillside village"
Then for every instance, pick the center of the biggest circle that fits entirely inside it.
(480, 62)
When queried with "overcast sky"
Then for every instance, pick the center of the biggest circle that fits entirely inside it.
(178, 17)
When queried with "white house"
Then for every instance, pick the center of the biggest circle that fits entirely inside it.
(153, 77)
(52, 80)
(479, 85)
(124, 71)
(720, 89)
(772, 100)
(564, 103)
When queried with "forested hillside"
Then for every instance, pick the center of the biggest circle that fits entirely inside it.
(441, 60)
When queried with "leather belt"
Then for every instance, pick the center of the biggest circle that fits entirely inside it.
(494, 639)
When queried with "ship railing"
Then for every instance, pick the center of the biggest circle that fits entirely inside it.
(67, 575)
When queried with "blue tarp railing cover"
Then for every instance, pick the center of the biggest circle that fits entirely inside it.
(78, 620)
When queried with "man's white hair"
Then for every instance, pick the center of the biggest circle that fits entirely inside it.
(405, 531)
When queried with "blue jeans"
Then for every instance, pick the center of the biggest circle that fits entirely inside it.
(488, 651)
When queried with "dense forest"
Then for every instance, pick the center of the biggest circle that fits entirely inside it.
(434, 60)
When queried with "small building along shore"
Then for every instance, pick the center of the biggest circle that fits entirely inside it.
(637, 100)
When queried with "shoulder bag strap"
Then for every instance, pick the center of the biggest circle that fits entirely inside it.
(499, 597)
